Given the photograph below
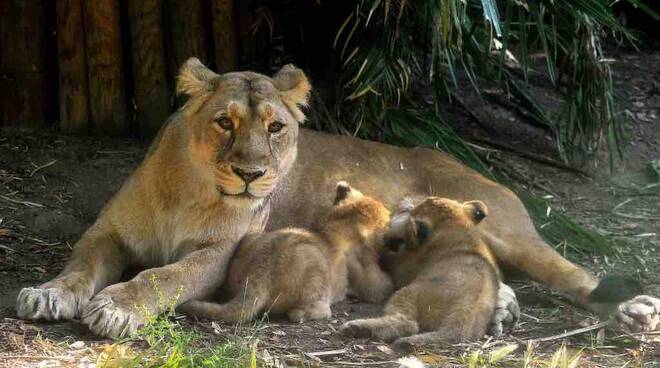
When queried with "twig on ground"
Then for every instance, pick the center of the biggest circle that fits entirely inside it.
(628, 216)
(25, 203)
(34, 357)
(597, 326)
(42, 167)
(533, 157)
(361, 364)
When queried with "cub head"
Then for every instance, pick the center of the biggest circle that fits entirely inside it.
(243, 126)
(355, 217)
(413, 226)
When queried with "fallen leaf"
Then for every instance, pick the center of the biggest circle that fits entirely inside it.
(385, 349)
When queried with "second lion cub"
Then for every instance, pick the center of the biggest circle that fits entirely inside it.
(450, 277)
(301, 273)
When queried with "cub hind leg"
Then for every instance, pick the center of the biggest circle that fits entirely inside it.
(400, 318)
(386, 328)
(314, 300)
(244, 307)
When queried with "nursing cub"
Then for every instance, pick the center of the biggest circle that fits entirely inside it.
(450, 275)
(301, 273)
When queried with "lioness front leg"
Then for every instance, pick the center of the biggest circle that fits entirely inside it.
(120, 309)
(97, 261)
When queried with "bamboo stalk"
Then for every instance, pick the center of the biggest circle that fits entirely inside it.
(186, 34)
(23, 83)
(149, 70)
(107, 99)
(74, 105)
(225, 35)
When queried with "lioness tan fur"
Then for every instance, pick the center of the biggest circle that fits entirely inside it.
(297, 271)
(453, 292)
(233, 160)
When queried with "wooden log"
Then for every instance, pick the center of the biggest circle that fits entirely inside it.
(23, 80)
(149, 69)
(185, 33)
(107, 99)
(74, 105)
(225, 35)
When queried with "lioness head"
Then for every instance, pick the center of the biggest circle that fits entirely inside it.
(244, 125)
(412, 226)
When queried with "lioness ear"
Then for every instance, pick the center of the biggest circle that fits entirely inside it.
(194, 78)
(294, 87)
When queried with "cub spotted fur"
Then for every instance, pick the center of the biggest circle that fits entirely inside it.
(301, 273)
(450, 273)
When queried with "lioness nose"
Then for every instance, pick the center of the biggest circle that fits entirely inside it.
(248, 176)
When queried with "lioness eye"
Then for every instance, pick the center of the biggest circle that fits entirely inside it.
(225, 123)
(275, 127)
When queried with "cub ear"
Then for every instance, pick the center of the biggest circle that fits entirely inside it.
(344, 190)
(294, 87)
(477, 210)
(194, 78)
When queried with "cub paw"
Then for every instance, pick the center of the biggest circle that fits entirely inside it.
(48, 304)
(640, 314)
(507, 311)
(104, 317)
(315, 312)
(404, 345)
(355, 329)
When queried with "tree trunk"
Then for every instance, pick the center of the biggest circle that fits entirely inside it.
(74, 108)
(225, 35)
(186, 32)
(107, 100)
(23, 83)
(149, 70)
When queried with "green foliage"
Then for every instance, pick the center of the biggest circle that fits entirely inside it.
(387, 44)
(168, 344)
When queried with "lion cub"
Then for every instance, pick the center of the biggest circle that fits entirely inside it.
(301, 273)
(451, 277)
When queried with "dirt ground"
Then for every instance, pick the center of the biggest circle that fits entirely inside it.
(52, 187)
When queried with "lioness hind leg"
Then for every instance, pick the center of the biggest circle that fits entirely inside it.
(386, 328)
(96, 262)
(541, 262)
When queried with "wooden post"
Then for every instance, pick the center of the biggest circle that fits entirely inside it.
(225, 35)
(74, 108)
(185, 31)
(23, 83)
(149, 70)
(107, 99)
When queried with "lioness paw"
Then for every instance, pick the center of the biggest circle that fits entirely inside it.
(48, 304)
(507, 311)
(640, 314)
(106, 318)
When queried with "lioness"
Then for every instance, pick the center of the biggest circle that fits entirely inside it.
(453, 292)
(299, 272)
(233, 160)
